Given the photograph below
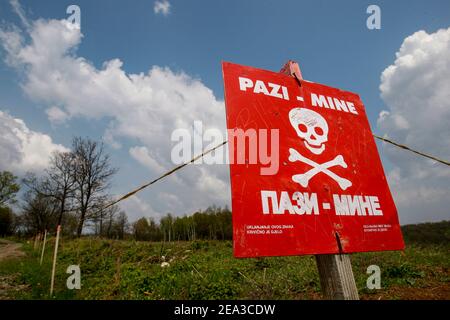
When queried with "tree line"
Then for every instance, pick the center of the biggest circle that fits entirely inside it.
(212, 224)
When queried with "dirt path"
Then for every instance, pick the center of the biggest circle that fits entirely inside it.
(9, 249)
(8, 285)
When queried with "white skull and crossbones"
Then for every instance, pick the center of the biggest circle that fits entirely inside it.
(312, 128)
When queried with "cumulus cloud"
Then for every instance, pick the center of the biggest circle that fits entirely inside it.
(144, 106)
(210, 183)
(162, 7)
(22, 149)
(142, 155)
(142, 109)
(136, 208)
(172, 201)
(416, 88)
(56, 115)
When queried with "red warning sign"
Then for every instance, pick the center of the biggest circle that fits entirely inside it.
(306, 177)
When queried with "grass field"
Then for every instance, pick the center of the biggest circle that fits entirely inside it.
(207, 270)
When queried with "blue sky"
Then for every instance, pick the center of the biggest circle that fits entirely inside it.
(329, 39)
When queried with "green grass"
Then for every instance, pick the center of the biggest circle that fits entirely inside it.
(31, 279)
(207, 270)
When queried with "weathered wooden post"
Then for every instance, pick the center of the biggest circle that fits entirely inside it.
(58, 230)
(335, 270)
(35, 241)
(40, 241)
(43, 246)
(336, 277)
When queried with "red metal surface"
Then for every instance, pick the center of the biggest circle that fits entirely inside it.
(292, 227)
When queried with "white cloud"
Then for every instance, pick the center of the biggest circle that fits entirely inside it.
(22, 149)
(162, 7)
(12, 41)
(210, 183)
(136, 208)
(144, 107)
(170, 200)
(56, 115)
(20, 13)
(417, 90)
(142, 155)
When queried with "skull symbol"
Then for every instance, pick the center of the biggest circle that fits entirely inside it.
(311, 127)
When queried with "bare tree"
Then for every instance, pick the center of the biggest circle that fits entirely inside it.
(92, 174)
(58, 183)
(121, 225)
(166, 224)
(60, 180)
(38, 212)
(109, 216)
(100, 215)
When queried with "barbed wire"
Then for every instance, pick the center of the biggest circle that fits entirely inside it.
(412, 150)
(168, 173)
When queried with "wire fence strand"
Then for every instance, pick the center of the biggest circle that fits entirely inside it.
(412, 150)
(168, 173)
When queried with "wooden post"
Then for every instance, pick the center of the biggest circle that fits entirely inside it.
(336, 277)
(54, 259)
(292, 68)
(335, 270)
(43, 246)
(39, 241)
(35, 241)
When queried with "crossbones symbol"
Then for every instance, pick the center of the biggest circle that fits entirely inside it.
(312, 128)
(303, 178)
